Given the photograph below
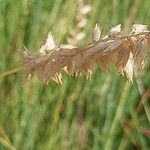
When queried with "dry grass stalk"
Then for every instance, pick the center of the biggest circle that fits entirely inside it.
(126, 51)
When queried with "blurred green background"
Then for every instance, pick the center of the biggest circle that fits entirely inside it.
(106, 113)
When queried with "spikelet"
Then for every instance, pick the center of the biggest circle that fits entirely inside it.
(49, 45)
(96, 33)
(129, 68)
(142, 44)
(126, 51)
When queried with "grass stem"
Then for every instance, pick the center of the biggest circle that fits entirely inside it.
(2, 75)
(110, 139)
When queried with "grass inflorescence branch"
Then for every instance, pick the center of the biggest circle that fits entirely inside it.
(127, 51)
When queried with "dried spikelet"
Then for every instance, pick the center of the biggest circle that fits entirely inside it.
(141, 45)
(141, 51)
(115, 31)
(129, 68)
(96, 33)
(103, 61)
(33, 63)
(49, 45)
(125, 51)
(138, 28)
(83, 65)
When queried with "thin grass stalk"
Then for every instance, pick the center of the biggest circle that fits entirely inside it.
(9, 72)
(123, 143)
(141, 89)
(6, 144)
(109, 143)
(142, 143)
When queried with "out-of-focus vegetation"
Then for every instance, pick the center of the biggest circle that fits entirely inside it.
(105, 113)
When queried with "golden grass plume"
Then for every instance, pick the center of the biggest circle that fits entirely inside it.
(126, 51)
